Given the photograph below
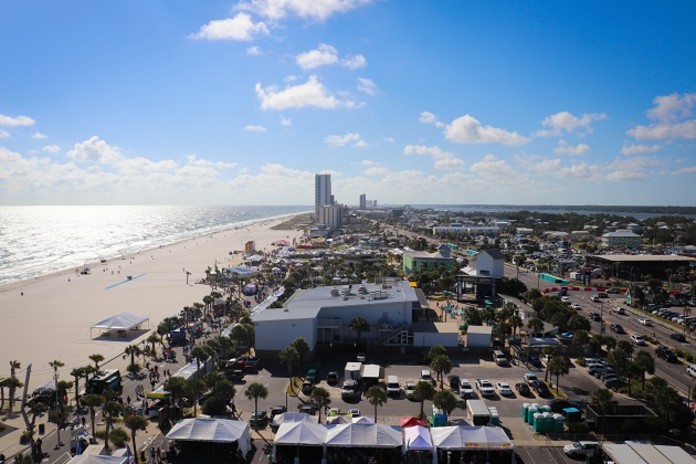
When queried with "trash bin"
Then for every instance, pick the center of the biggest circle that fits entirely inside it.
(42, 429)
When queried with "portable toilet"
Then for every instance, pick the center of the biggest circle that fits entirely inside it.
(533, 409)
(545, 408)
(558, 423)
(538, 422)
(572, 414)
(525, 406)
(495, 417)
(548, 421)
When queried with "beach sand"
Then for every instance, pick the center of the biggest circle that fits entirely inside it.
(48, 318)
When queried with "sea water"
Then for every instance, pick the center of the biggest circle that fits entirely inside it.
(38, 240)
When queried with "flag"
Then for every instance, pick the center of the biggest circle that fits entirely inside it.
(129, 455)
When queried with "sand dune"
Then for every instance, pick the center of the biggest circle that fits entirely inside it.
(49, 318)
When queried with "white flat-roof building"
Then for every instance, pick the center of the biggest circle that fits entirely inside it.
(324, 314)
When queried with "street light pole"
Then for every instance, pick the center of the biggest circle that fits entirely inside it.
(601, 317)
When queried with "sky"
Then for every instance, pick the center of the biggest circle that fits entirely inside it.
(406, 101)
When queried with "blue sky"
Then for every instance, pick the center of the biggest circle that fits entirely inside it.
(409, 101)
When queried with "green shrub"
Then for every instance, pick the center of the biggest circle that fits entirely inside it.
(679, 352)
(119, 437)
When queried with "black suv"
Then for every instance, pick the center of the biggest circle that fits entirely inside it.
(595, 316)
(617, 328)
(665, 353)
(678, 337)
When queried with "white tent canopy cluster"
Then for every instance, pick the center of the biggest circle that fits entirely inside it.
(212, 431)
(122, 321)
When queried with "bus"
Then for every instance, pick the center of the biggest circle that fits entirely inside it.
(106, 380)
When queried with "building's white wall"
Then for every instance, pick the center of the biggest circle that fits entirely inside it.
(485, 262)
(276, 335)
(478, 340)
(448, 340)
(394, 313)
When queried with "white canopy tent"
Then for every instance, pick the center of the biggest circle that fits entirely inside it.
(467, 436)
(291, 417)
(98, 459)
(123, 321)
(363, 420)
(301, 433)
(363, 436)
(417, 438)
(212, 431)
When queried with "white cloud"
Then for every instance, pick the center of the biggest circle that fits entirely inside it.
(318, 10)
(354, 62)
(376, 171)
(285, 122)
(16, 121)
(633, 168)
(255, 128)
(564, 148)
(389, 139)
(490, 166)
(665, 131)
(4, 134)
(38, 136)
(672, 107)
(637, 149)
(310, 94)
(426, 117)
(323, 55)
(565, 122)
(96, 150)
(449, 164)
(367, 86)
(685, 170)
(351, 138)
(51, 149)
(443, 159)
(253, 51)
(467, 129)
(240, 28)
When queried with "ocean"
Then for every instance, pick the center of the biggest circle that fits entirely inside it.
(39, 240)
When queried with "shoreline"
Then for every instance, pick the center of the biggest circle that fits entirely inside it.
(49, 317)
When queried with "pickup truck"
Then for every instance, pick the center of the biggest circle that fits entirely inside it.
(349, 390)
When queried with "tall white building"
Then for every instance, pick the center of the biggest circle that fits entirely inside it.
(363, 201)
(322, 193)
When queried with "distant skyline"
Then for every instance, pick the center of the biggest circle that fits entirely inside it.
(408, 102)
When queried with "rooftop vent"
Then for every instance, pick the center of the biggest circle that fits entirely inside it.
(334, 292)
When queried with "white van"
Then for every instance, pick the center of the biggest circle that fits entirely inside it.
(691, 370)
(393, 385)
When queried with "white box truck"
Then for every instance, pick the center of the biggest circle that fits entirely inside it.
(352, 371)
(478, 412)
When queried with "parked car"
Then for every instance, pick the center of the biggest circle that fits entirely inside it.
(485, 387)
(665, 353)
(259, 419)
(594, 298)
(535, 360)
(678, 337)
(575, 307)
(277, 409)
(616, 382)
(409, 389)
(427, 376)
(361, 357)
(503, 388)
(565, 300)
(453, 381)
(530, 377)
(595, 316)
(581, 448)
(645, 322)
(523, 389)
(638, 340)
(332, 378)
(558, 406)
(541, 389)
(354, 412)
(465, 389)
(311, 376)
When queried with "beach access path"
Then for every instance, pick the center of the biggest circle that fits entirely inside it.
(48, 318)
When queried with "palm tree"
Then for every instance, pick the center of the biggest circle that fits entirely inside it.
(289, 356)
(132, 351)
(13, 383)
(377, 397)
(255, 391)
(359, 325)
(96, 359)
(644, 362)
(135, 423)
(14, 365)
(320, 399)
(194, 389)
(199, 353)
(435, 351)
(445, 400)
(535, 325)
(77, 374)
(153, 339)
(176, 387)
(36, 408)
(441, 365)
(424, 391)
(110, 410)
(302, 348)
(557, 366)
(58, 416)
(92, 401)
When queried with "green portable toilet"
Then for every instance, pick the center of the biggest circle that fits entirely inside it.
(525, 406)
(537, 422)
(533, 408)
(548, 421)
(558, 423)
(545, 408)
(495, 417)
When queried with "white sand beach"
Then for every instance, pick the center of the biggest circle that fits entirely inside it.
(49, 318)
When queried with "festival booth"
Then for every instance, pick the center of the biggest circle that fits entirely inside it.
(219, 440)
(292, 417)
(299, 442)
(121, 323)
(363, 443)
(417, 445)
(465, 443)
